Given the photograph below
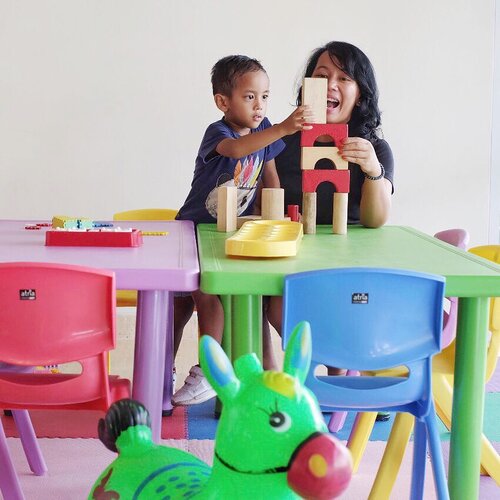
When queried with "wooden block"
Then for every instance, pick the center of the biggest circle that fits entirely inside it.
(309, 212)
(337, 131)
(339, 223)
(340, 179)
(293, 213)
(227, 210)
(273, 203)
(314, 94)
(311, 155)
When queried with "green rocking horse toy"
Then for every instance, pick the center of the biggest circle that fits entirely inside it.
(271, 442)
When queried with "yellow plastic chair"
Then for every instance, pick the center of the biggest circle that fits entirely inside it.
(128, 298)
(442, 385)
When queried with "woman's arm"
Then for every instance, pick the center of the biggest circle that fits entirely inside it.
(375, 202)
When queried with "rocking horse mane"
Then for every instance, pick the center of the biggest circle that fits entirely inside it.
(120, 416)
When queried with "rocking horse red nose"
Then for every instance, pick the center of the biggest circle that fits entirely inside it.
(321, 468)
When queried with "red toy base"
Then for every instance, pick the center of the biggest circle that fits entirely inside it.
(94, 238)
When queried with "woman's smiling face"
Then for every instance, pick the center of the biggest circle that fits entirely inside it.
(343, 91)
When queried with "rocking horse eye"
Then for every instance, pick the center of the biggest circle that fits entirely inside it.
(280, 422)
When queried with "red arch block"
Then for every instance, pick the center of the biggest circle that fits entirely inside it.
(337, 131)
(311, 179)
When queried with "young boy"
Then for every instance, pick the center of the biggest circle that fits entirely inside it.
(238, 150)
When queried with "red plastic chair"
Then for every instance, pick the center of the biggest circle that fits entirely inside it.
(53, 314)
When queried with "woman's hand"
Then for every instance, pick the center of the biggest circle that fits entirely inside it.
(297, 121)
(360, 151)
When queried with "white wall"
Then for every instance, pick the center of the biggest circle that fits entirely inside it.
(103, 103)
(495, 140)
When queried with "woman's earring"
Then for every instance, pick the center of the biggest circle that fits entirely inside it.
(358, 103)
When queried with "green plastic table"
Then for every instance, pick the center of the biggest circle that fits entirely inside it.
(242, 282)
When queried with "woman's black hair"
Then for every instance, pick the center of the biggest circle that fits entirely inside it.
(365, 119)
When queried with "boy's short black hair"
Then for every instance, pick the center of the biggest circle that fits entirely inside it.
(228, 69)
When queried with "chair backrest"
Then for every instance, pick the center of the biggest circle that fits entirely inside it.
(456, 237)
(366, 318)
(491, 252)
(147, 214)
(54, 314)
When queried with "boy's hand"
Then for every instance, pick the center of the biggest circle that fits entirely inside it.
(297, 120)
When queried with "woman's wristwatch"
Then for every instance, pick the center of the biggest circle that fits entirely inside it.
(372, 178)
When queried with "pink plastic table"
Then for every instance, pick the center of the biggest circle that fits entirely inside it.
(162, 265)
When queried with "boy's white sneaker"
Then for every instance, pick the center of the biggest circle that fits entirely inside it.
(195, 390)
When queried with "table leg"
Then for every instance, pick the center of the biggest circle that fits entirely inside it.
(246, 325)
(149, 354)
(226, 336)
(468, 398)
(168, 388)
(226, 340)
(242, 328)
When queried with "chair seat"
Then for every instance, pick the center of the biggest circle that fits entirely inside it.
(119, 388)
(357, 393)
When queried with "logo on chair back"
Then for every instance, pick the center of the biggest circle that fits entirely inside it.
(27, 294)
(359, 298)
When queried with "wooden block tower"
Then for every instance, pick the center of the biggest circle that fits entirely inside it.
(314, 94)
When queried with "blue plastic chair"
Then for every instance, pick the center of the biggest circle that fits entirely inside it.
(374, 319)
(456, 237)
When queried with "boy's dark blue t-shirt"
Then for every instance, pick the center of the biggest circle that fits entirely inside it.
(213, 170)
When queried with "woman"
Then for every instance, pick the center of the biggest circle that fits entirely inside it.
(352, 98)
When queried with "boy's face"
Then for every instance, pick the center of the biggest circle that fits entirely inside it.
(246, 107)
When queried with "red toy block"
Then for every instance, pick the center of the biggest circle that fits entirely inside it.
(311, 179)
(92, 238)
(337, 131)
(293, 212)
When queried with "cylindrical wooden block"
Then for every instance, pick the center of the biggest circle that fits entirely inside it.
(340, 213)
(309, 212)
(273, 203)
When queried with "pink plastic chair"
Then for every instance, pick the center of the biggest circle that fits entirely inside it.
(460, 239)
(53, 314)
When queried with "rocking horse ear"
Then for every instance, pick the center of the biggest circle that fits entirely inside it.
(217, 368)
(298, 352)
